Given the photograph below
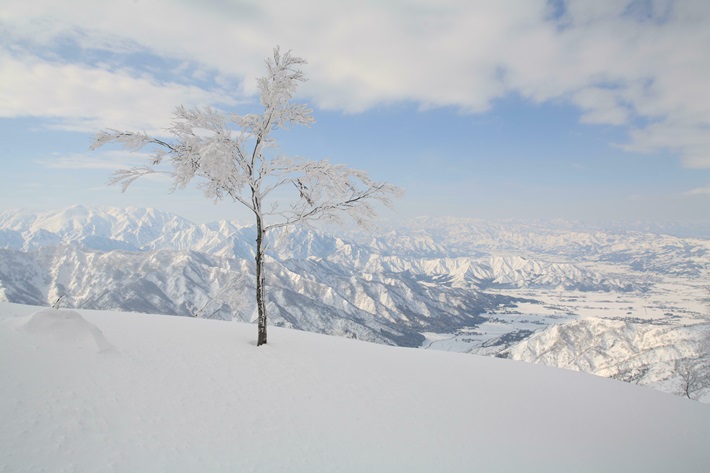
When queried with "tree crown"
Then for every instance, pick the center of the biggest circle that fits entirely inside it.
(235, 156)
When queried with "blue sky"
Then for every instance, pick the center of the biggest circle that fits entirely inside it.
(582, 109)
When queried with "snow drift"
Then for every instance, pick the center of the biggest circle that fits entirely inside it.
(67, 326)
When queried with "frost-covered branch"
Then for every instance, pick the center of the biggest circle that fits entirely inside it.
(332, 191)
(232, 156)
(126, 177)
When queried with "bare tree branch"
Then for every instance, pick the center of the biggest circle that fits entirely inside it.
(234, 156)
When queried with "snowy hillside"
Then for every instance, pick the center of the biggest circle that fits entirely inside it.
(108, 392)
(494, 288)
(637, 352)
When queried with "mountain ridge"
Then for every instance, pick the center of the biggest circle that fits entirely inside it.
(439, 276)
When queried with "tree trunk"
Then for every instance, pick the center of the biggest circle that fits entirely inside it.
(260, 280)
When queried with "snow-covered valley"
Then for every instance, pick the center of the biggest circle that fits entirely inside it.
(449, 284)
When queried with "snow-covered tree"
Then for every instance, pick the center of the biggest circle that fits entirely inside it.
(694, 373)
(236, 157)
(692, 376)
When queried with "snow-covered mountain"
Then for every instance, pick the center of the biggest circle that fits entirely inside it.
(642, 353)
(150, 261)
(399, 286)
(422, 238)
(130, 229)
(650, 252)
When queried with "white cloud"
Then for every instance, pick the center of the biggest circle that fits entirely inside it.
(690, 139)
(90, 98)
(624, 63)
(600, 105)
(699, 191)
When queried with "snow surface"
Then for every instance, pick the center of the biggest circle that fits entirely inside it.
(90, 391)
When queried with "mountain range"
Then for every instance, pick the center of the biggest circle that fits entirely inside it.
(394, 286)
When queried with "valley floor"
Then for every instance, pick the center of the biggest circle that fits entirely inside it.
(675, 303)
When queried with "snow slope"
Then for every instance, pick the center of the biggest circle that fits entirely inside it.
(451, 284)
(642, 353)
(97, 392)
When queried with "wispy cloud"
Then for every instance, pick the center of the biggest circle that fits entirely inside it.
(82, 98)
(641, 65)
(698, 191)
